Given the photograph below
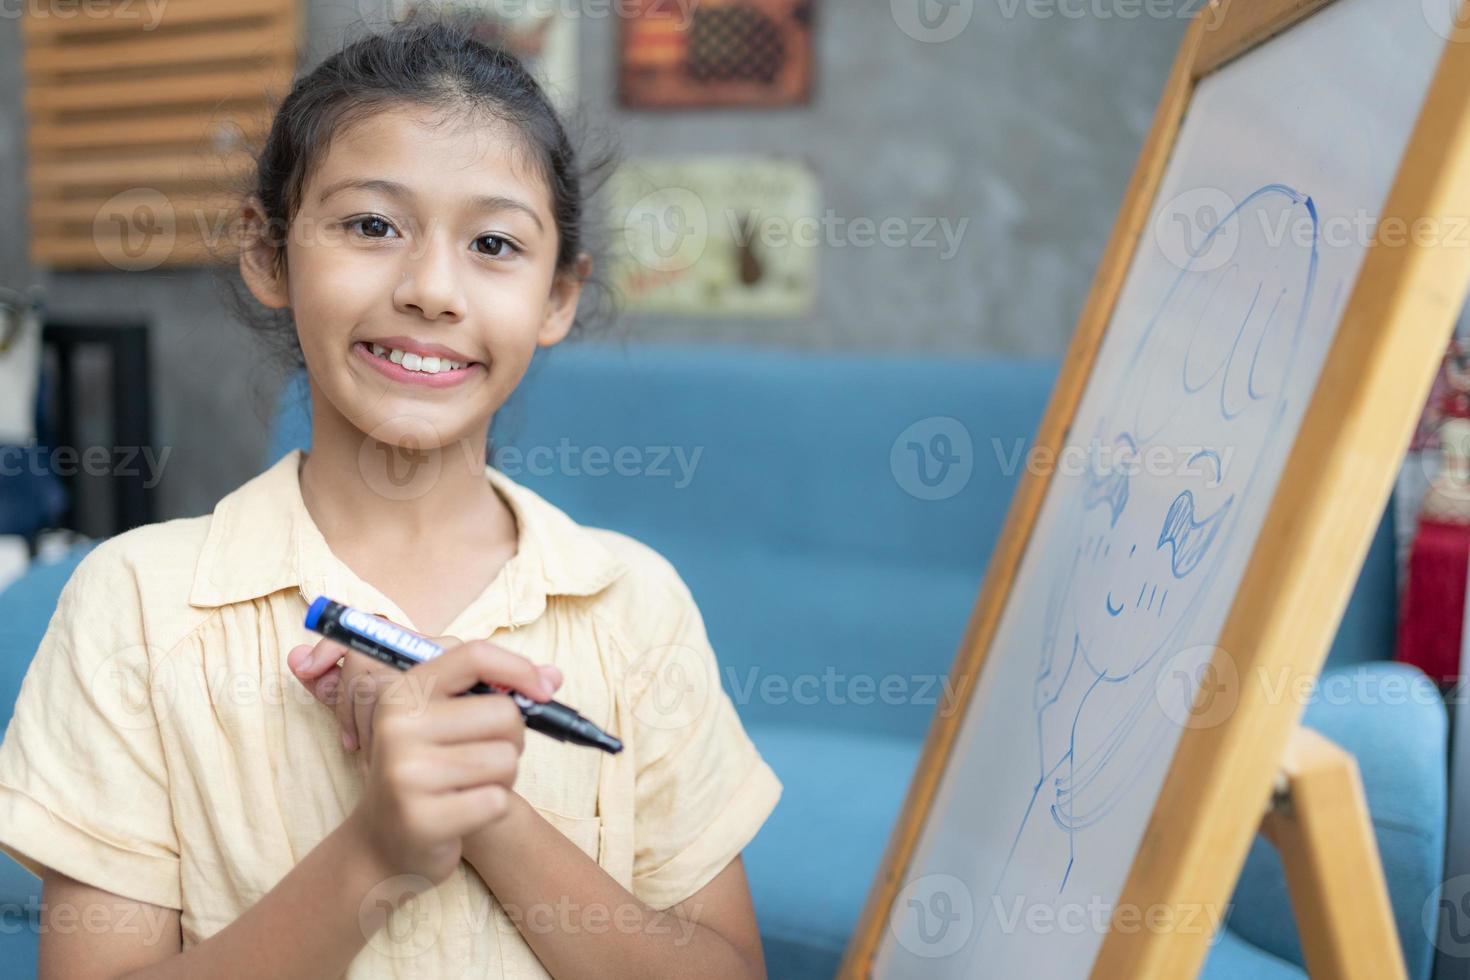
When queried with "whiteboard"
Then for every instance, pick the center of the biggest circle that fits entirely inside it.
(1261, 224)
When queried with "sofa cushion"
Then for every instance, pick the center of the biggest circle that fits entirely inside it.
(1391, 717)
(26, 607)
(1231, 957)
(29, 602)
(19, 941)
(812, 863)
(813, 639)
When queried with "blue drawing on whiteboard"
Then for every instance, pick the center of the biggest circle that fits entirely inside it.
(1172, 462)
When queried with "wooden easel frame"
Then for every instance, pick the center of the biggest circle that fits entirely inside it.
(1319, 824)
(1300, 575)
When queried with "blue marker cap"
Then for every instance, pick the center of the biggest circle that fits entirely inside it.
(314, 614)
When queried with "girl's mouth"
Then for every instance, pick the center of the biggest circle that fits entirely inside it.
(407, 375)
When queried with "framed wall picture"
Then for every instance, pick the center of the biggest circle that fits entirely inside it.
(715, 236)
(676, 54)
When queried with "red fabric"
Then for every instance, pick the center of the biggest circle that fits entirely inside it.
(1433, 613)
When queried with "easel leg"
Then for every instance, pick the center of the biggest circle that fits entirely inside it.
(1320, 826)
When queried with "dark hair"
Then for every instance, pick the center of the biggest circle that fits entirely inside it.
(439, 63)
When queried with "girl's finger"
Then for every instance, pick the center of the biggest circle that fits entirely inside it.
(459, 669)
(467, 765)
(363, 708)
(356, 706)
(327, 688)
(474, 718)
(468, 810)
(550, 676)
(316, 660)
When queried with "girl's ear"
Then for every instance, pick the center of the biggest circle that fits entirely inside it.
(561, 307)
(256, 258)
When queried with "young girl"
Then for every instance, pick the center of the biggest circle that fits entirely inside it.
(194, 810)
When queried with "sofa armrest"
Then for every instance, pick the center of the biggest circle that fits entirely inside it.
(1391, 717)
(26, 607)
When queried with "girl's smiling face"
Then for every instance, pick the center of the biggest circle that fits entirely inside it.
(429, 229)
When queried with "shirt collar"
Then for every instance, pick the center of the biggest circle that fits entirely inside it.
(262, 539)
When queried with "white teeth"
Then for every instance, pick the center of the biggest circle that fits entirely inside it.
(414, 362)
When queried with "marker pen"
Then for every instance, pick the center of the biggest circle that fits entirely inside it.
(397, 647)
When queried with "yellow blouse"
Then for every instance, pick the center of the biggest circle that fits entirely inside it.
(161, 748)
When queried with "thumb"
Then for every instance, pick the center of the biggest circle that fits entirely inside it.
(296, 659)
(551, 675)
(308, 662)
(321, 679)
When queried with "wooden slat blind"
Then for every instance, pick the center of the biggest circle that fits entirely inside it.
(137, 123)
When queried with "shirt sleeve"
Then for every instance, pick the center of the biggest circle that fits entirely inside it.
(83, 784)
(702, 790)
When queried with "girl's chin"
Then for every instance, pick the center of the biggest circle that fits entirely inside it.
(415, 427)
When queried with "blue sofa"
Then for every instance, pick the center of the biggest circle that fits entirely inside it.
(819, 562)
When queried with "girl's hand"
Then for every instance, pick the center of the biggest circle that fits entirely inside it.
(351, 690)
(442, 766)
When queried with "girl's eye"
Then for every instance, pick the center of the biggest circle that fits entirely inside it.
(370, 220)
(503, 246)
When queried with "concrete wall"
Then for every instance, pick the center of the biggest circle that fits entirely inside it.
(1025, 125)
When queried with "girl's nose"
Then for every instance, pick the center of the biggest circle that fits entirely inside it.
(431, 284)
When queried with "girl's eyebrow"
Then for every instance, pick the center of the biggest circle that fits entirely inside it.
(483, 202)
